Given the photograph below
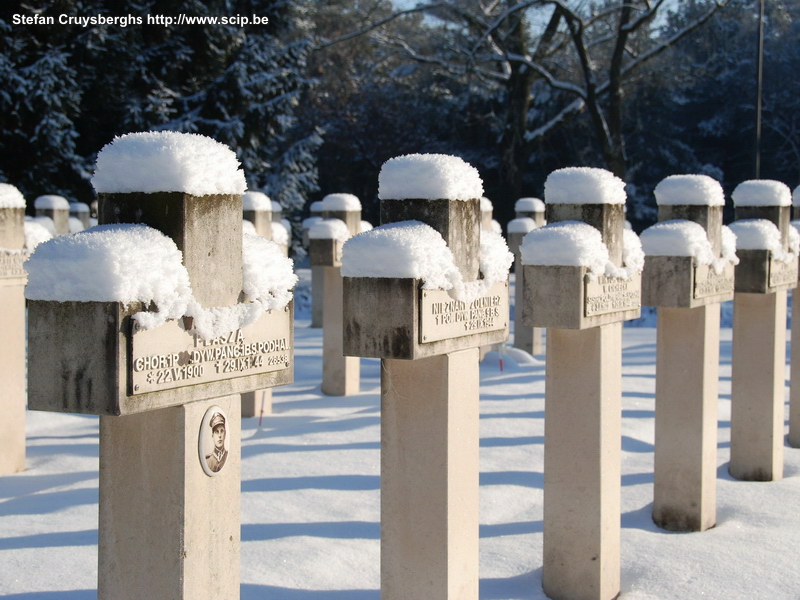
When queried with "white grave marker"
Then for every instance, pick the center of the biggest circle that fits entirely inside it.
(423, 292)
(12, 328)
(688, 271)
(767, 250)
(582, 279)
(794, 384)
(178, 315)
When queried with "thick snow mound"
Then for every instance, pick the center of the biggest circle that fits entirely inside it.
(255, 200)
(529, 205)
(168, 161)
(51, 202)
(11, 197)
(584, 185)
(341, 202)
(429, 177)
(762, 192)
(689, 189)
(521, 225)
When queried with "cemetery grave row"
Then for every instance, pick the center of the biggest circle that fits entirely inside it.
(171, 324)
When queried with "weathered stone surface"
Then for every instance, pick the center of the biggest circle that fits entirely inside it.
(458, 222)
(207, 229)
(12, 228)
(759, 273)
(87, 348)
(758, 365)
(685, 461)
(676, 281)
(325, 252)
(581, 553)
(261, 220)
(351, 218)
(556, 296)
(709, 217)
(383, 319)
(608, 219)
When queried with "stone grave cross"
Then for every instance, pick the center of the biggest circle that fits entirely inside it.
(428, 344)
(168, 394)
(12, 328)
(766, 270)
(578, 287)
(688, 272)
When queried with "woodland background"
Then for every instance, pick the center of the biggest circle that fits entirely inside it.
(315, 101)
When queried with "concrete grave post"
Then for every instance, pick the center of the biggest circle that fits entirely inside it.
(163, 371)
(765, 271)
(487, 212)
(257, 209)
(687, 277)
(428, 341)
(526, 338)
(341, 374)
(12, 328)
(533, 208)
(794, 382)
(56, 208)
(582, 300)
(80, 211)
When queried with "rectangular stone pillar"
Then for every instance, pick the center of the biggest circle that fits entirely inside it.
(167, 530)
(429, 477)
(763, 276)
(428, 341)
(317, 295)
(686, 418)
(794, 379)
(687, 289)
(583, 312)
(582, 477)
(341, 375)
(168, 397)
(758, 386)
(526, 338)
(12, 329)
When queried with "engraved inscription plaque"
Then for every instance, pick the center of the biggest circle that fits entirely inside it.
(605, 295)
(443, 318)
(170, 357)
(11, 263)
(708, 282)
(782, 273)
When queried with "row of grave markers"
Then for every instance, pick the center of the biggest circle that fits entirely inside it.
(423, 293)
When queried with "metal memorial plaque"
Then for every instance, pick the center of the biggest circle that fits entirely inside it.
(708, 283)
(11, 263)
(442, 318)
(605, 295)
(168, 356)
(782, 273)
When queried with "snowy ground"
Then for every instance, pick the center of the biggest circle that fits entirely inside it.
(310, 501)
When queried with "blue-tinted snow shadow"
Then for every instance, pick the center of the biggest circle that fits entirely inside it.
(87, 537)
(259, 592)
(527, 586)
(504, 529)
(59, 595)
(530, 479)
(503, 442)
(50, 502)
(343, 483)
(338, 530)
(89, 450)
(21, 485)
(254, 449)
(538, 414)
(630, 444)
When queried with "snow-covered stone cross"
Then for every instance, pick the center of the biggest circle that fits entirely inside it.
(688, 272)
(157, 321)
(341, 374)
(12, 328)
(423, 292)
(767, 247)
(582, 279)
